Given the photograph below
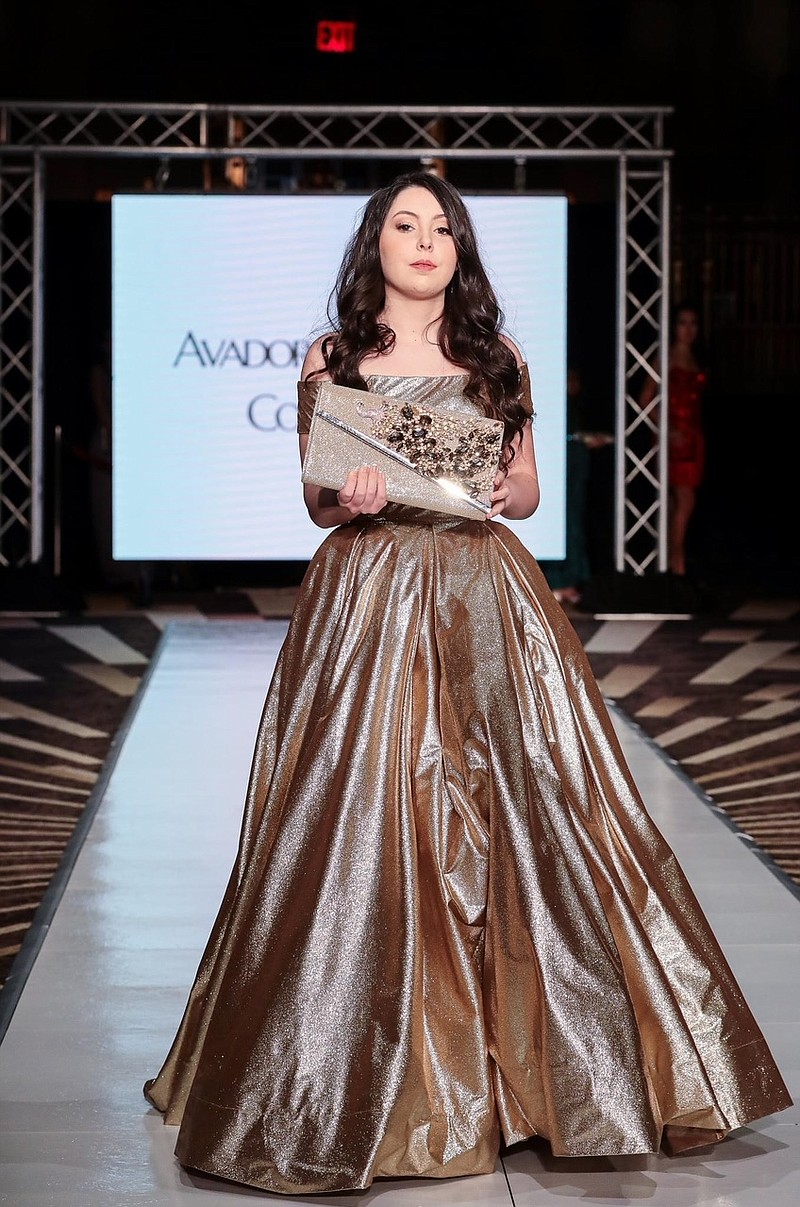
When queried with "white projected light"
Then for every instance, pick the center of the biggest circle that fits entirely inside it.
(215, 300)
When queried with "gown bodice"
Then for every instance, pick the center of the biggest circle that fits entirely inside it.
(443, 389)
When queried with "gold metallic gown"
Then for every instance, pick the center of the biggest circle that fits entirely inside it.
(451, 921)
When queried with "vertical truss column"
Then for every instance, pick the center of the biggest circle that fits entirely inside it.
(21, 297)
(643, 241)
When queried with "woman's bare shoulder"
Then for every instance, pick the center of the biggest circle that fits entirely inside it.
(314, 361)
(509, 343)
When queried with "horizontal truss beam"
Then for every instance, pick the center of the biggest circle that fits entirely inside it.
(322, 131)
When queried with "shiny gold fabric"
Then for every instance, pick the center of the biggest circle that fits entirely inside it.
(451, 919)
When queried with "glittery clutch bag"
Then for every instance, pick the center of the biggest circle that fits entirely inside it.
(433, 457)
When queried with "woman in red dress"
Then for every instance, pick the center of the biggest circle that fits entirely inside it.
(686, 382)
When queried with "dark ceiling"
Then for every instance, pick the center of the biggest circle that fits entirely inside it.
(728, 67)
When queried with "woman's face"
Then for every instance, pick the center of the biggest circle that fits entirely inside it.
(417, 249)
(686, 327)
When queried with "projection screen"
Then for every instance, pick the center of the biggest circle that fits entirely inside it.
(215, 300)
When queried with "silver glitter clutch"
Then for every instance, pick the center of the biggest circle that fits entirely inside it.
(433, 457)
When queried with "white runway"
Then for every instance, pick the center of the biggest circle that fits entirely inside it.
(106, 991)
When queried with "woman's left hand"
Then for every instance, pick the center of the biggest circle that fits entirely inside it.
(500, 495)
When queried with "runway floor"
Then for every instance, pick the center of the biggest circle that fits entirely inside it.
(107, 986)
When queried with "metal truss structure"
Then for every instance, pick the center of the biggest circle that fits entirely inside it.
(31, 133)
(642, 339)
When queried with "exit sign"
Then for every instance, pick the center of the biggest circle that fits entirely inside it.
(336, 37)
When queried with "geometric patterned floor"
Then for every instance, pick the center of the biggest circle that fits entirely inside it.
(719, 695)
(99, 1008)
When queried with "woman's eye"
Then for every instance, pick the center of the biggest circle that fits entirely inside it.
(404, 226)
(443, 230)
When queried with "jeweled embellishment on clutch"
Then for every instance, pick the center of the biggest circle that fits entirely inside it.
(439, 447)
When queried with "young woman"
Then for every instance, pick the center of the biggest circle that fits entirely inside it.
(451, 921)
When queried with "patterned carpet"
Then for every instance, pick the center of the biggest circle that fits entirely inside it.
(718, 693)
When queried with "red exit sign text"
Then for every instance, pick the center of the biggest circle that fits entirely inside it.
(336, 37)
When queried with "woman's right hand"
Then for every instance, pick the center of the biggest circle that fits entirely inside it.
(364, 492)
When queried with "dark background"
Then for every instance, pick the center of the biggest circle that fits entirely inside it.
(728, 67)
(728, 70)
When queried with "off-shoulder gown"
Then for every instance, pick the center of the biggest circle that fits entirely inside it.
(451, 922)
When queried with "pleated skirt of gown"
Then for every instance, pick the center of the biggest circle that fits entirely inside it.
(451, 920)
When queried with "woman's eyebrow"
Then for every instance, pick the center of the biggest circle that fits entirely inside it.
(411, 214)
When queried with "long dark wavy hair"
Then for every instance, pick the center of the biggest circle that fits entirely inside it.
(469, 332)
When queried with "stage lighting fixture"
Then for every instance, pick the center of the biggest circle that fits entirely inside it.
(162, 175)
